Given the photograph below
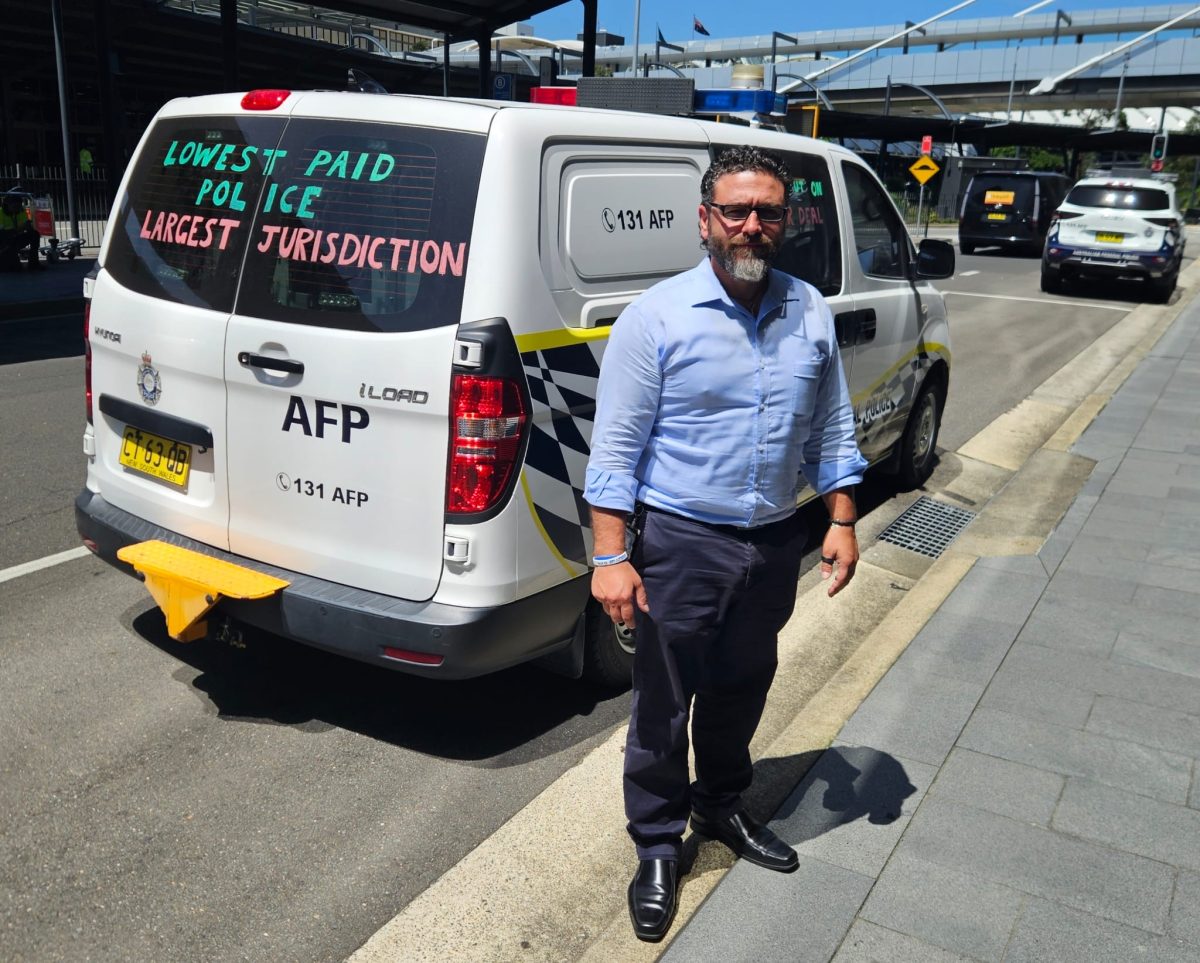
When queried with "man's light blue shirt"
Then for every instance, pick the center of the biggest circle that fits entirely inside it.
(709, 412)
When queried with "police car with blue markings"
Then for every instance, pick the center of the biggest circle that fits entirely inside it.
(351, 391)
(1116, 227)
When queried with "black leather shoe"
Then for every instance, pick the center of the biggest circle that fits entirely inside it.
(652, 898)
(748, 840)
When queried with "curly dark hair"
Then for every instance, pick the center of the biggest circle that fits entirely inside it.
(734, 160)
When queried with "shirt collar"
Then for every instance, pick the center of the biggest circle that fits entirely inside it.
(709, 289)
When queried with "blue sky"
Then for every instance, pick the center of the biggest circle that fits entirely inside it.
(734, 19)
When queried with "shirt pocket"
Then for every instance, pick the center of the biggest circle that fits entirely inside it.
(806, 376)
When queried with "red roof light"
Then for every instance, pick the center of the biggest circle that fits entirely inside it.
(563, 96)
(266, 99)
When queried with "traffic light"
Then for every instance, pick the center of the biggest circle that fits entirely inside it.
(1158, 147)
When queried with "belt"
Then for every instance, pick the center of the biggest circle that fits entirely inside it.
(735, 531)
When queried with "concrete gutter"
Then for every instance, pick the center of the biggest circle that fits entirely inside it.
(550, 884)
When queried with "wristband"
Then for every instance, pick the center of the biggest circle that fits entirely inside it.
(602, 560)
(840, 523)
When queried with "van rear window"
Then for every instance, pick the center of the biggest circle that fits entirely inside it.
(1005, 191)
(182, 227)
(330, 223)
(1120, 198)
(364, 226)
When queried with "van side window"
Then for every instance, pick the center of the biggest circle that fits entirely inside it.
(879, 235)
(185, 221)
(364, 227)
(812, 246)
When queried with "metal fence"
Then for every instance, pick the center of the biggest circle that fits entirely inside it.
(91, 200)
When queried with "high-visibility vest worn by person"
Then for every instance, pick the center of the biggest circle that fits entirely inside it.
(14, 222)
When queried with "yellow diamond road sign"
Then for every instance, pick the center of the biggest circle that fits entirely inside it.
(923, 169)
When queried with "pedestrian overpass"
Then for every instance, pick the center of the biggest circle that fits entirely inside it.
(968, 65)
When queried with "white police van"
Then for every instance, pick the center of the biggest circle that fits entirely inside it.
(343, 349)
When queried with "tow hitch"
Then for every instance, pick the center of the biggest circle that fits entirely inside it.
(186, 584)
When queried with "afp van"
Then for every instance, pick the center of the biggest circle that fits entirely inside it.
(343, 353)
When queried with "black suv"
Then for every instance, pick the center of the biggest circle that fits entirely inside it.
(1009, 209)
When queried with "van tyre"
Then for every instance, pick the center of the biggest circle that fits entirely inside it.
(965, 247)
(607, 650)
(918, 446)
(1051, 281)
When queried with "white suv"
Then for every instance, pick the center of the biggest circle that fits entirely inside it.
(1119, 228)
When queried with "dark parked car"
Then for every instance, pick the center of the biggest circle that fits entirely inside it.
(1009, 209)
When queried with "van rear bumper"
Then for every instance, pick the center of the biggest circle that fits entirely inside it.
(360, 624)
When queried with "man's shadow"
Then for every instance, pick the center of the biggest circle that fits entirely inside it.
(832, 788)
(845, 784)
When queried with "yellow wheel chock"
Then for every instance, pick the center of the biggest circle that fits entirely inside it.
(186, 584)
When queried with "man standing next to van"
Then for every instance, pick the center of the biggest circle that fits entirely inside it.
(719, 388)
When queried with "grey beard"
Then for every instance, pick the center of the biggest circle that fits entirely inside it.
(751, 266)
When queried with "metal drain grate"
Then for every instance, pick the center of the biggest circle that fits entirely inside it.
(927, 527)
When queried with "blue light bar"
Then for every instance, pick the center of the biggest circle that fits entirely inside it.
(740, 101)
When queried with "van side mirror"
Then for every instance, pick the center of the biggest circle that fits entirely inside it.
(935, 259)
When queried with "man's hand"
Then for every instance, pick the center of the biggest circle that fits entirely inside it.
(618, 588)
(839, 556)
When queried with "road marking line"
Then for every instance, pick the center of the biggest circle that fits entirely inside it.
(966, 274)
(38, 564)
(1013, 297)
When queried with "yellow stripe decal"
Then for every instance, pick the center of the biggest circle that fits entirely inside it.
(928, 348)
(542, 340)
(542, 531)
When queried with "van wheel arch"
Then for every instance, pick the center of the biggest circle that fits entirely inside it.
(917, 448)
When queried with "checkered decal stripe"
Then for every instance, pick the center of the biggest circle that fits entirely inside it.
(562, 384)
(885, 404)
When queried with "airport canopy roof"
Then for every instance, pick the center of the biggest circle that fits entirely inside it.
(462, 18)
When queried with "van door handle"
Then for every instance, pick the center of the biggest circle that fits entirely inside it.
(845, 327)
(854, 327)
(866, 325)
(271, 364)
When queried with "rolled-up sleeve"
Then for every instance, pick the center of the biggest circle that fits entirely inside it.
(627, 400)
(831, 456)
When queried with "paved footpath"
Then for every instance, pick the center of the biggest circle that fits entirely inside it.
(1021, 785)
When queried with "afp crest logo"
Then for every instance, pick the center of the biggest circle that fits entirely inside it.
(148, 381)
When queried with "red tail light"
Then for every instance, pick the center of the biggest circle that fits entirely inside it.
(489, 418)
(87, 356)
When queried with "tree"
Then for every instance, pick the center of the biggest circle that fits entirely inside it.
(1185, 167)
(1038, 158)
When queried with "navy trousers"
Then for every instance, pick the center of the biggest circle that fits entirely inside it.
(718, 597)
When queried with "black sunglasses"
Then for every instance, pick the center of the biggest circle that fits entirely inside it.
(736, 213)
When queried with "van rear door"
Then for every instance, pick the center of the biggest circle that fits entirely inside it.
(338, 357)
(160, 308)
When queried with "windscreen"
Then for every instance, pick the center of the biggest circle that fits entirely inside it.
(1119, 198)
(364, 226)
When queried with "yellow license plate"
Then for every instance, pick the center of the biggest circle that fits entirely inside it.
(1109, 237)
(997, 217)
(161, 458)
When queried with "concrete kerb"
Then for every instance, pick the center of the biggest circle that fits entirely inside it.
(550, 884)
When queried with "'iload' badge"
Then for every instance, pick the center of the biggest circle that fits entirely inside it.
(149, 383)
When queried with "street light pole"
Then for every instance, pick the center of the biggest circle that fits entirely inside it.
(637, 22)
(68, 160)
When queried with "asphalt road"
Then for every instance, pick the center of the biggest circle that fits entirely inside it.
(160, 801)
